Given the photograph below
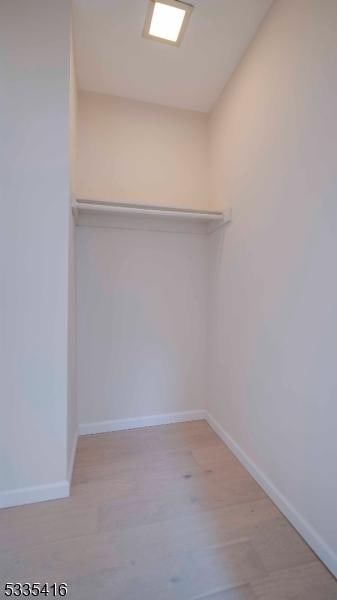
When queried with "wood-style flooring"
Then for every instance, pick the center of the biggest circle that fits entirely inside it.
(161, 513)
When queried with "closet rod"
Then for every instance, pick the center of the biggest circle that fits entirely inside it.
(95, 206)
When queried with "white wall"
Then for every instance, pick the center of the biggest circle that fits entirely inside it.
(273, 142)
(141, 318)
(136, 152)
(72, 394)
(34, 81)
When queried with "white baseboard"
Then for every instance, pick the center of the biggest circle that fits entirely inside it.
(313, 539)
(150, 421)
(72, 460)
(38, 493)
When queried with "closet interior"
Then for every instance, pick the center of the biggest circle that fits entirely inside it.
(168, 332)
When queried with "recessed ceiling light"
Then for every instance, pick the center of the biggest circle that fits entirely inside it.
(166, 21)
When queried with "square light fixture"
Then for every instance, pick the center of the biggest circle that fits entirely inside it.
(166, 21)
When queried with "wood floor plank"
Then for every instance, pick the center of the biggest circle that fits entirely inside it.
(120, 548)
(183, 575)
(279, 545)
(306, 582)
(243, 592)
(188, 497)
(30, 530)
(161, 513)
(135, 468)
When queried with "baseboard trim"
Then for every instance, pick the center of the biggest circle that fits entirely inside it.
(310, 535)
(72, 460)
(135, 423)
(38, 493)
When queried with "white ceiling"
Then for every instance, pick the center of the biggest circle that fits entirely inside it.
(112, 57)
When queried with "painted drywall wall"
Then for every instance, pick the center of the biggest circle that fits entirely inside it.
(72, 396)
(136, 152)
(273, 145)
(141, 318)
(34, 55)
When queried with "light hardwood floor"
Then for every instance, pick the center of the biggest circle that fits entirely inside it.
(161, 513)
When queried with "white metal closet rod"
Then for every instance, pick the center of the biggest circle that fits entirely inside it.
(134, 209)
